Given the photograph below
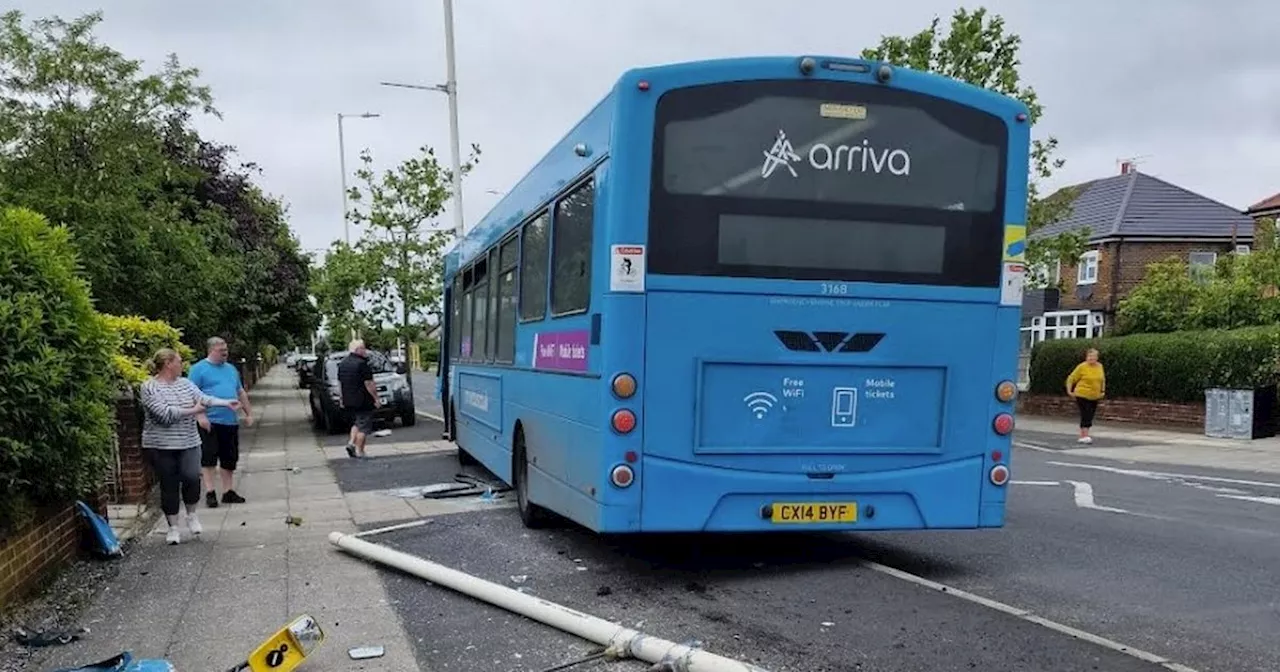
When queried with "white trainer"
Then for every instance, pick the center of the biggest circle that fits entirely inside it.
(174, 536)
(194, 525)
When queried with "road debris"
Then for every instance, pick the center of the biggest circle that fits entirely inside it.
(43, 638)
(366, 652)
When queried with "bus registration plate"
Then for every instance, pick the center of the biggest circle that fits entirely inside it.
(842, 512)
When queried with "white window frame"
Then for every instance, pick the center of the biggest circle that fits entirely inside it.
(1243, 250)
(1088, 262)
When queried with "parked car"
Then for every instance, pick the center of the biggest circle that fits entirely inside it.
(305, 366)
(391, 380)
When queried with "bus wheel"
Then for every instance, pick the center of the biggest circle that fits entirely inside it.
(532, 515)
(464, 458)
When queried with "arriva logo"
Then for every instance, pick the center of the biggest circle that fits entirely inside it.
(862, 158)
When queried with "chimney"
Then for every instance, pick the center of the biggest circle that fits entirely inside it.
(1126, 167)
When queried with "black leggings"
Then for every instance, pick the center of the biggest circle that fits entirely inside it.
(178, 470)
(1088, 408)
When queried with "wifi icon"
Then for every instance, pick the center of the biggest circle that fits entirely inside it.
(760, 403)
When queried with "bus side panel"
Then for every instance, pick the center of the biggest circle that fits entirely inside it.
(561, 413)
(556, 414)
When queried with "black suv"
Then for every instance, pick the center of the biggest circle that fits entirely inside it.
(391, 379)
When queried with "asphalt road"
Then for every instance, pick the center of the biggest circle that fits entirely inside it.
(424, 394)
(1180, 562)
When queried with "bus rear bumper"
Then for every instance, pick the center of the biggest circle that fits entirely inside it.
(685, 497)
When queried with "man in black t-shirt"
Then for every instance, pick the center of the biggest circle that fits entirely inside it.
(359, 395)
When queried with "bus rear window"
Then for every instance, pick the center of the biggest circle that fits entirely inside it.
(814, 179)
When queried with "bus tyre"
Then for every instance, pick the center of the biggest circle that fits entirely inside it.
(532, 515)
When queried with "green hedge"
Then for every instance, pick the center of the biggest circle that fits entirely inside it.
(1178, 366)
(56, 387)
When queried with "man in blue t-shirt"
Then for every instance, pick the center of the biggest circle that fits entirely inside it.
(219, 427)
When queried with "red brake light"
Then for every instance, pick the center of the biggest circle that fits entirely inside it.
(1003, 424)
(623, 421)
(999, 474)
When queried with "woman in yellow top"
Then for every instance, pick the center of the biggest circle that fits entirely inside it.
(1088, 384)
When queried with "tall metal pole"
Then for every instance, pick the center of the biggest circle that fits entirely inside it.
(451, 87)
(342, 165)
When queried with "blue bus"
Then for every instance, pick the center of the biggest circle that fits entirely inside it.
(751, 294)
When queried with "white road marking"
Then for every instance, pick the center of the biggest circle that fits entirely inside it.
(1166, 476)
(1250, 498)
(1084, 498)
(429, 416)
(1032, 446)
(1031, 618)
(1036, 483)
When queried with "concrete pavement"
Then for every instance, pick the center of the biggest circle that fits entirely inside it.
(1116, 441)
(206, 603)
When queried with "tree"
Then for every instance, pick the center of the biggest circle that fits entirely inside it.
(165, 227)
(1238, 292)
(338, 285)
(271, 285)
(977, 49)
(402, 243)
(82, 136)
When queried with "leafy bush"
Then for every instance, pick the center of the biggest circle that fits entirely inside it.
(1239, 292)
(136, 340)
(270, 354)
(55, 363)
(1177, 366)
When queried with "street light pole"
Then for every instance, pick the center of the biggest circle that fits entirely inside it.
(342, 165)
(450, 87)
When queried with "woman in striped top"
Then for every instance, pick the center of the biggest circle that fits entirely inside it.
(171, 406)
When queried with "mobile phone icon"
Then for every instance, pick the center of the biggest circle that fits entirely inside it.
(844, 406)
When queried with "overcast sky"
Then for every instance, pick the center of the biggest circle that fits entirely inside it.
(1191, 85)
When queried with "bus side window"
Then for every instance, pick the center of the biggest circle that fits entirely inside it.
(480, 311)
(491, 307)
(533, 269)
(571, 251)
(464, 324)
(508, 254)
(455, 323)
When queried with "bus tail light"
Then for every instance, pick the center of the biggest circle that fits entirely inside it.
(999, 474)
(624, 385)
(622, 476)
(623, 421)
(1006, 391)
(1003, 424)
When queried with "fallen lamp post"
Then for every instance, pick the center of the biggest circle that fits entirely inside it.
(619, 641)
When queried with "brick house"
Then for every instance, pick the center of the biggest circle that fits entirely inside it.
(1268, 207)
(1133, 219)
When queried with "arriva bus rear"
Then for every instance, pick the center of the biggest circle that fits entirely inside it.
(748, 295)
